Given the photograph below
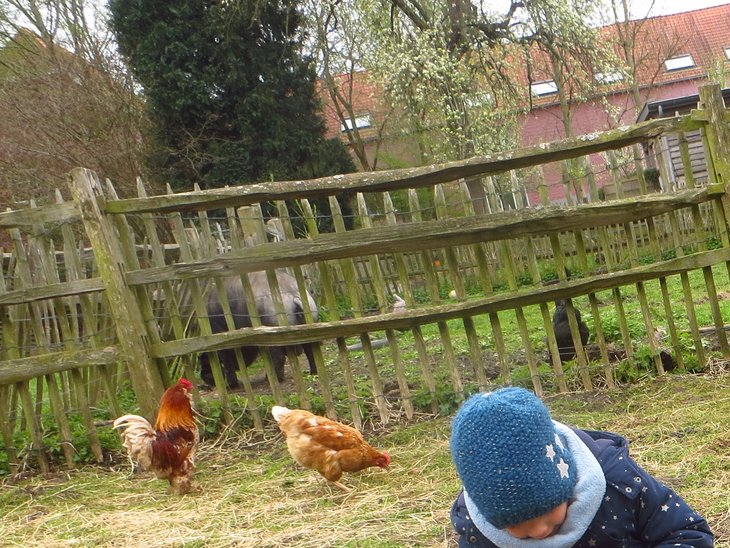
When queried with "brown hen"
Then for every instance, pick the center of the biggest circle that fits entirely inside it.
(325, 445)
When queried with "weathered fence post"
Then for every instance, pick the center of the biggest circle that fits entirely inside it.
(717, 132)
(128, 320)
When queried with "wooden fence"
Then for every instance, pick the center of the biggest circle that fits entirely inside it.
(101, 291)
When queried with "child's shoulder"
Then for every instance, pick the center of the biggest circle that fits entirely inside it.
(612, 453)
(602, 440)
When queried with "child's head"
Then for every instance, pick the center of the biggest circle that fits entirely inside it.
(513, 464)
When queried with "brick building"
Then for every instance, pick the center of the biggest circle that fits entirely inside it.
(674, 55)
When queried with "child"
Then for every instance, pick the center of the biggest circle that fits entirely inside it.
(530, 481)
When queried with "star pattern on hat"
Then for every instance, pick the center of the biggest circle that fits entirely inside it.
(550, 452)
(563, 467)
(558, 441)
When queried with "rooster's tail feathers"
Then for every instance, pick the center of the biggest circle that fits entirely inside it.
(137, 436)
(137, 432)
(127, 421)
(280, 412)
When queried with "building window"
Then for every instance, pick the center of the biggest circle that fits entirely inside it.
(679, 63)
(608, 77)
(727, 52)
(361, 122)
(544, 88)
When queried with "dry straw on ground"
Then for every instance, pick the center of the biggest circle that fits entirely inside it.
(252, 494)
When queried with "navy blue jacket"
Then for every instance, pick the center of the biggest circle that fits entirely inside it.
(637, 509)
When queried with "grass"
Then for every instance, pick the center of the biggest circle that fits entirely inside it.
(252, 494)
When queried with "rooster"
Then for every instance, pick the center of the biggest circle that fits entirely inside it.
(168, 449)
(327, 446)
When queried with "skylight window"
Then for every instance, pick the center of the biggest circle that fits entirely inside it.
(679, 63)
(608, 77)
(544, 88)
(361, 122)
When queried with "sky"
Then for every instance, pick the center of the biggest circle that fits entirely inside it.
(639, 8)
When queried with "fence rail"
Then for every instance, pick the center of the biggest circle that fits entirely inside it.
(99, 292)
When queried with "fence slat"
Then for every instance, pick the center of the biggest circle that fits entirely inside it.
(484, 276)
(666, 300)
(7, 427)
(144, 375)
(433, 288)
(197, 292)
(357, 310)
(404, 281)
(59, 413)
(85, 409)
(547, 322)
(595, 312)
(379, 282)
(165, 300)
(33, 423)
(323, 373)
(331, 303)
(89, 320)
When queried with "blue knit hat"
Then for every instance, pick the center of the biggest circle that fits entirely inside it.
(513, 464)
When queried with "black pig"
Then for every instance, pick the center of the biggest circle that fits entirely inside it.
(562, 331)
(267, 313)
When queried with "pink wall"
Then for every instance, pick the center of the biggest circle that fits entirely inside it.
(545, 124)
